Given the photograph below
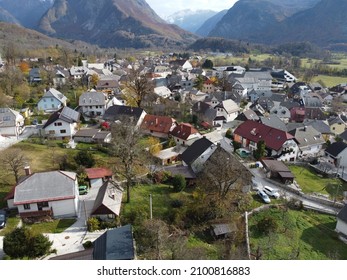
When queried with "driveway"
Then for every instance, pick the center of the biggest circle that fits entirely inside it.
(260, 177)
(6, 142)
(72, 238)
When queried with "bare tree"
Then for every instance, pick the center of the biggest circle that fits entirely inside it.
(14, 160)
(127, 149)
(137, 88)
(222, 173)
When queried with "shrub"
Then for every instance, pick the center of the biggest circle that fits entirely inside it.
(178, 182)
(88, 244)
(93, 224)
(267, 224)
(176, 203)
(23, 243)
(85, 159)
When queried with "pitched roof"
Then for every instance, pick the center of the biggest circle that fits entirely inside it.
(229, 105)
(116, 112)
(115, 244)
(108, 200)
(196, 150)
(160, 124)
(65, 114)
(336, 148)
(46, 186)
(92, 98)
(56, 94)
(183, 131)
(254, 131)
(99, 172)
(307, 136)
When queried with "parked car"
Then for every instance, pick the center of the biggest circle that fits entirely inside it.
(271, 192)
(3, 218)
(83, 190)
(263, 196)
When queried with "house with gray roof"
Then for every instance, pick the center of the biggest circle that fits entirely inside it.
(310, 141)
(336, 154)
(273, 121)
(11, 122)
(281, 112)
(197, 154)
(92, 103)
(62, 124)
(51, 101)
(108, 201)
(228, 109)
(52, 193)
(321, 126)
(115, 244)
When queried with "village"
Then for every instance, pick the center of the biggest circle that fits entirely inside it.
(224, 142)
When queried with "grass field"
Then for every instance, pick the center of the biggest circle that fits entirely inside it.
(299, 235)
(56, 226)
(11, 224)
(330, 81)
(310, 182)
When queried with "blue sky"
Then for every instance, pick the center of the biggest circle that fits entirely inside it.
(165, 8)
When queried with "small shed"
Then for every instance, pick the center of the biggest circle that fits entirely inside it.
(278, 170)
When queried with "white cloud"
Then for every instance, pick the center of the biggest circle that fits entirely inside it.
(165, 8)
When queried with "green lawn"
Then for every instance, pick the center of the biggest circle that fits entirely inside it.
(56, 226)
(11, 224)
(330, 81)
(310, 182)
(299, 235)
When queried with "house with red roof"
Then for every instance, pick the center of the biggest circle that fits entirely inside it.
(97, 176)
(279, 144)
(185, 134)
(158, 126)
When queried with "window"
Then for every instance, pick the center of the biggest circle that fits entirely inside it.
(58, 124)
(63, 131)
(6, 118)
(26, 206)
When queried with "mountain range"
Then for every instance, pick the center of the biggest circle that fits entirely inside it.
(134, 24)
(190, 20)
(280, 21)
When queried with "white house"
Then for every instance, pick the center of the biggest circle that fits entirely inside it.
(185, 134)
(53, 193)
(198, 153)
(62, 124)
(336, 154)
(11, 122)
(93, 103)
(51, 101)
(162, 91)
(310, 141)
(228, 109)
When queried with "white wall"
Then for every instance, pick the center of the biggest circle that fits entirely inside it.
(49, 104)
(341, 227)
(94, 183)
(64, 208)
(69, 128)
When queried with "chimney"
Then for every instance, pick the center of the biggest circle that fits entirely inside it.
(27, 170)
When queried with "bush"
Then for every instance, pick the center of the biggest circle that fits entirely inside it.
(88, 244)
(176, 203)
(93, 224)
(23, 243)
(85, 159)
(267, 224)
(178, 182)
